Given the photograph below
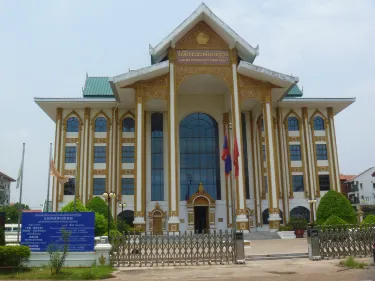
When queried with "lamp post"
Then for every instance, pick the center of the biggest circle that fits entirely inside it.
(122, 206)
(109, 196)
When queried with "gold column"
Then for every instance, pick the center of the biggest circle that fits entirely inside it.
(274, 217)
(308, 161)
(332, 135)
(86, 171)
(57, 158)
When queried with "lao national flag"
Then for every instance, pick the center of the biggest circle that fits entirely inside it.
(225, 156)
(236, 154)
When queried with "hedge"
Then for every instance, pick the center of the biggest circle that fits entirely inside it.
(14, 255)
(335, 203)
(334, 220)
(98, 205)
(370, 219)
(70, 207)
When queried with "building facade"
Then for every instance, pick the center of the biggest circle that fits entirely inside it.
(5, 182)
(361, 188)
(154, 136)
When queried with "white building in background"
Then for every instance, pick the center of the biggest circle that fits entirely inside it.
(361, 188)
(154, 136)
(5, 182)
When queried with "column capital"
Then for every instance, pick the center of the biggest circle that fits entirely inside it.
(266, 99)
(87, 113)
(330, 112)
(304, 113)
(58, 113)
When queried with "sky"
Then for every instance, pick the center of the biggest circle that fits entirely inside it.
(47, 47)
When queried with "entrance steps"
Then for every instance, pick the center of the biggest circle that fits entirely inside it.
(261, 235)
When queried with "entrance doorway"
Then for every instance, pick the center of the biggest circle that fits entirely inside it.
(158, 223)
(201, 219)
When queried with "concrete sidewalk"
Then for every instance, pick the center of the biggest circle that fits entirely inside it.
(277, 247)
(288, 270)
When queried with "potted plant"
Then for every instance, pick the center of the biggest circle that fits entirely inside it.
(286, 232)
(299, 225)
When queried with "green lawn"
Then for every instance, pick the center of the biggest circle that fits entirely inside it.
(93, 273)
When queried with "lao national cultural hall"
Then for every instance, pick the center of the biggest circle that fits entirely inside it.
(155, 137)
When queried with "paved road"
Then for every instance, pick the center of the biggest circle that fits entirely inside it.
(291, 270)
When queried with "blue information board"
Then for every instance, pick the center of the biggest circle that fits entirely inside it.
(39, 230)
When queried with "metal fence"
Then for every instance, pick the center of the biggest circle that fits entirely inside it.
(348, 240)
(147, 249)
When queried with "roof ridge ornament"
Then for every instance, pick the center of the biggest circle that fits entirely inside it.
(150, 49)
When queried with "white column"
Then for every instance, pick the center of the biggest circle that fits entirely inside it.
(285, 171)
(139, 215)
(85, 148)
(274, 218)
(55, 183)
(241, 217)
(173, 220)
(336, 176)
(310, 156)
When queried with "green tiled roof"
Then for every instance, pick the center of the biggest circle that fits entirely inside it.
(294, 92)
(97, 87)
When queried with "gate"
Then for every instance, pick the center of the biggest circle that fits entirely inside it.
(346, 240)
(171, 248)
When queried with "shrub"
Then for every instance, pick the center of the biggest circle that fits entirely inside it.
(101, 225)
(298, 222)
(113, 233)
(334, 221)
(98, 205)
(370, 219)
(350, 262)
(14, 255)
(122, 226)
(2, 236)
(58, 253)
(70, 207)
(287, 227)
(335, 203)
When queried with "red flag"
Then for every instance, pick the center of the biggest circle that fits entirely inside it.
(236, 154)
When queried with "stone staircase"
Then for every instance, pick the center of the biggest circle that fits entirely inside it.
(261, 235)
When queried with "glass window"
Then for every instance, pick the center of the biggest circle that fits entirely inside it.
(157, 167)
(318, 123)
(99, 186)
(293, 124)
(100, 154)
(321, 152)
(297, 181)
(199, 155)
(128, 125)
(101, 124)
(324, 183)
(246, 163)
(72, 125)
(70, 154)
(295, 152)
(69, 187)
(127, 186)
(127, 154)
(264, 152)
(300, 212)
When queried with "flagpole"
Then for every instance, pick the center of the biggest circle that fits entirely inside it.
(49, 174)
(20, 200)
(75, 182)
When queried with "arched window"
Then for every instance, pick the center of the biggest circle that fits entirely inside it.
(300, 211)
(318, 123)
(72, 125)
(199, 155)
(128, 125)
(293, 124)
(157, 159)
(101, 124)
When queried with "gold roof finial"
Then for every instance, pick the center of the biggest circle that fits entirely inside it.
(200, 188)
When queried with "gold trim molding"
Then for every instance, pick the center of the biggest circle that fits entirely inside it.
(127, 172)
(100, 140)
(296, 169)
(101, 172)
(322, 169)
(128, 140)
(294, 139)
(69, 172)
(71, 140)
(320, 138)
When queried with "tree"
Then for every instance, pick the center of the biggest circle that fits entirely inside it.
(335, 203)
(98, 205)
(370, 219)
(12, 212)
(70, 207)
(101, 225)
(334, 221)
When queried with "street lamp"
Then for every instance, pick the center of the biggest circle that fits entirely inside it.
(108, 196)
(122, 206)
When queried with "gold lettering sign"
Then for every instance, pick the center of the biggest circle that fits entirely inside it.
(203, 57)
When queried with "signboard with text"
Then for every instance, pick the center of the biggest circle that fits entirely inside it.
(39, 230)
(203, 57)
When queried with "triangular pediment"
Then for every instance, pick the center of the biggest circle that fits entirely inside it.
(204, 16)
(202, 37)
